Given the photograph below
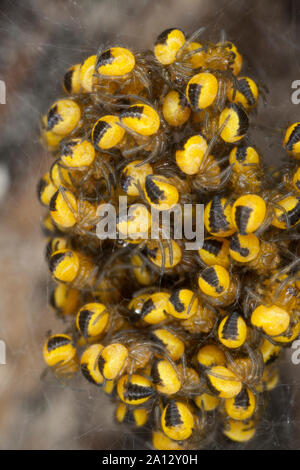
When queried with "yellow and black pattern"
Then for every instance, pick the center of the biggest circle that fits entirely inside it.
(186, 342)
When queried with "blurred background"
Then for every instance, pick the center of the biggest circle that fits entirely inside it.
(38, 41)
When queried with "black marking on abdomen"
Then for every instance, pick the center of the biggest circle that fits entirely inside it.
(53, 118)
(242, 215)
(56, 259)
(294, 214)
(101, 364)
(104, 59)
(125, 180)
(129, 417)
(176, 302)
(294, 138)
(217, 219)
(245, 89)
(68, 80)
(50, 249)
(52, 300)
(157, 340)
(42, 184)
(172, 416)
(99, 131)
(86, 373)
(271, 359)
(242, 118)
(241, 153)
(67, 148)
(57, 342)
(148, 306)
(155, 373)
(183, 103)
(135, 391)
(162, 38)
(194, 92)
(236, 246)
(210, 276)
(83, 321)
(155, 194)
(242, 399)
(52, 204)
(133, 112)
(230, 328)
(212, 246)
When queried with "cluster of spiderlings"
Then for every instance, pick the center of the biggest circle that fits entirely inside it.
(185, 342)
